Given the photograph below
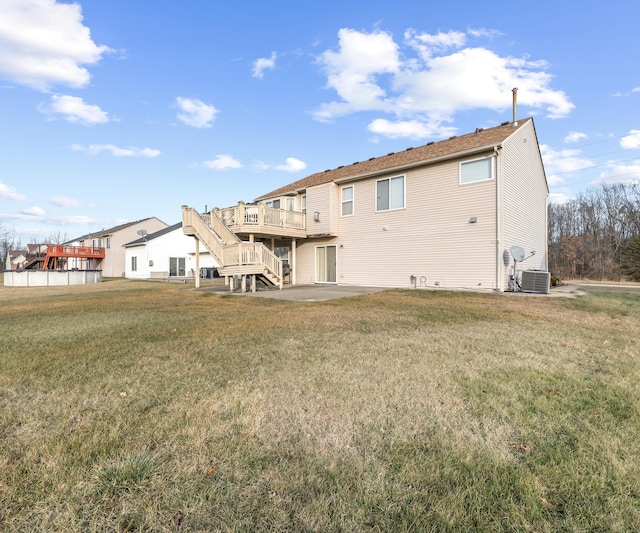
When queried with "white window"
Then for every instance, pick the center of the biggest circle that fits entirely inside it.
(97, 243)
(273, 203)
(176, 266)
(347, 201)
(476, 170)
(134, 264)
(303, 203)
(289, 203)
(390, 194)
(108, 242)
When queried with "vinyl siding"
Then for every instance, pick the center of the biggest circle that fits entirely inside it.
(524, 201)
(325, 200)
(114, 261)
(430, 238)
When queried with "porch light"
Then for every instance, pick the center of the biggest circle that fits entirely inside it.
(473, 220)
(316, 216)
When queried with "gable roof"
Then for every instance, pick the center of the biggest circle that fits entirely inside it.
(109, 231)
(449, 148)
(151, 236)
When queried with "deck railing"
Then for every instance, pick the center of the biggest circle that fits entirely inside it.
(244, 215)
(74, 251)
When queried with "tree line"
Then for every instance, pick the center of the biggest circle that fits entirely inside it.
(597, 234)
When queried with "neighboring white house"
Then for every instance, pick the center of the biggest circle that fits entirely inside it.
(112, 240)
(445, 214)
(165, 254)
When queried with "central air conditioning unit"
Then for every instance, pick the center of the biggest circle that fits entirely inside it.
(535, 281)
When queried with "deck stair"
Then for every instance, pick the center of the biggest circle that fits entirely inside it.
(235, 257)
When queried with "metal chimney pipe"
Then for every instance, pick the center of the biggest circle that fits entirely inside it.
(515, 106)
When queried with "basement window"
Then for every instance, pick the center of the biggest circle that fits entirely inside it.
(476, 170)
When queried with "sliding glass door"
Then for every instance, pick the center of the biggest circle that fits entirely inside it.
(326, 264)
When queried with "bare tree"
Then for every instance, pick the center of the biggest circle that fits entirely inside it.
(8, 241)
(589, 236)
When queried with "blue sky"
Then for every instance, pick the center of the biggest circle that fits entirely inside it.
(114, 111)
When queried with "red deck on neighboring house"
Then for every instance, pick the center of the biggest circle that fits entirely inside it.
(57, 252)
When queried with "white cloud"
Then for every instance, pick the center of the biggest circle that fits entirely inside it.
(291, 165)
(559, 197)
(619, 173)
(95, 149)
(430, 80)
(34, 211)
(44, 43)
(427, 45)
(74, 109)
(353, 69)
(64, 201)
(196, 113)
(10, 193)
(561, 162)
(413, 129)
(484, 32)
(77, 220)
(575, 136)
(222, 162)
(635, 90)
(262, 64)
(631, 141)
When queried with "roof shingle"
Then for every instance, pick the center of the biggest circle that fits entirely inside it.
(432, 150)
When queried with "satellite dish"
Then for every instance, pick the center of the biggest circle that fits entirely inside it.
(517, 252)
(142, 232)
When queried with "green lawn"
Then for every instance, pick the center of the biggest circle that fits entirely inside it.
(138, 406)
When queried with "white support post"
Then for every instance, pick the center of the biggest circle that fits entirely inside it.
(197, 262)
(294, 265)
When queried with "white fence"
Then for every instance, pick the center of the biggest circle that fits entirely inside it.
(50, 278)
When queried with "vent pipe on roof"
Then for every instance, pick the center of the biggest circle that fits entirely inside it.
(515, 106)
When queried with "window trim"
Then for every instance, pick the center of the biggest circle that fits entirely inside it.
(404, 193)
(352, 201)
(491, 170)
(134, 263)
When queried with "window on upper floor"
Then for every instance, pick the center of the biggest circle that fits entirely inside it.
(290, 203)
(108, 242)
(476, 170)
(390, 194)
(347, 200)
(303, 203)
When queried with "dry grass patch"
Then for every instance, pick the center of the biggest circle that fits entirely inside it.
(151, 407)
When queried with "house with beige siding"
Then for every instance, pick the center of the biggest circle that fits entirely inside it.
(445, 214)
(113, 241)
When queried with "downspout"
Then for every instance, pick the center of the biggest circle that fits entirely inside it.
(499, 276)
